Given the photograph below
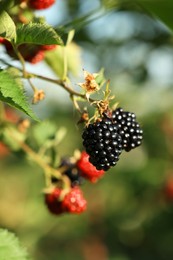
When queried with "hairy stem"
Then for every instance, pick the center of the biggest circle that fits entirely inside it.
(65, 63)
(61, 83)
(32, 86)
(21, 59)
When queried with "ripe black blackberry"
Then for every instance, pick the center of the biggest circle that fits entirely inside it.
(71, 171)
(129, 129)
(103, 143)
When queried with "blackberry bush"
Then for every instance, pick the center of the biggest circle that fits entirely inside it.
(25, 37)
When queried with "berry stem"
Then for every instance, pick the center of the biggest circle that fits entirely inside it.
(61, 83)
(49, 171)
(21, 59)
(65, 63)
(69, 39)
(2, 112)
(32, 86)
(75, 103)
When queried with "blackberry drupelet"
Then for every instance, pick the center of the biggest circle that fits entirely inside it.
(128, 128)
(103, 143)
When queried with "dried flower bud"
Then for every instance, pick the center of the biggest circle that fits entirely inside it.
(90, 85)
(84, 117)
(38, 96)
(23, 125)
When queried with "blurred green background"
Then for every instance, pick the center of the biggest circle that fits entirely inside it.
(130, 210)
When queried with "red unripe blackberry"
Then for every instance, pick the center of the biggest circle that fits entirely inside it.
(48, 47)
(74, 201)
(2, 40)
(10, 116)
(128, 128)
(35, 57)
(87, 169)
(4, 150)
(30, 52)
(103, 143)
(53, 203)
(168, 189)
(40, 4)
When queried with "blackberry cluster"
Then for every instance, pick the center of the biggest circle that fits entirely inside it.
(128, 128)
(103, 143)
(104, 140)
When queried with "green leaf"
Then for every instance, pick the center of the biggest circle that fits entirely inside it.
(162, 10)
(70, 36)
(9, 137)
(159, 9)
(79, 22)
(12, 93)
(43, 131)
(55, 59)
(100, 78)
(111, 4)
(10, 247)
(7, 27)
(37, 33)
